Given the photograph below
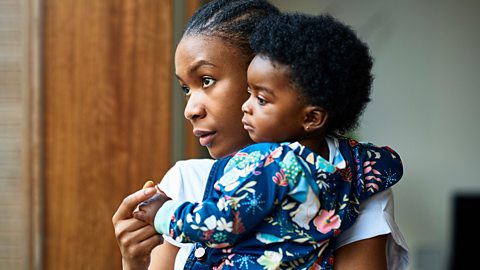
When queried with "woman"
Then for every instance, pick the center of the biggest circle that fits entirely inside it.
(211, 62)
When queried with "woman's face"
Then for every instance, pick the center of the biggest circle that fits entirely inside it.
(213, 76)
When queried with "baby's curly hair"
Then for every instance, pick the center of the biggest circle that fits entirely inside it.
(327, 61)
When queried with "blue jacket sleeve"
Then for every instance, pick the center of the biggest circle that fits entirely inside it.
(247, 192)
(378, 167)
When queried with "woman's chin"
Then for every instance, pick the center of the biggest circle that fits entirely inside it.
(216, 153)
(220, 150)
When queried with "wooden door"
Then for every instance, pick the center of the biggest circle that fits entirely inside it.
(106, 106)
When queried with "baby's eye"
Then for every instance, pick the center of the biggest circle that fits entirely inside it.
(261, 101)
(249, 91)
(207, 81)
(185, 90)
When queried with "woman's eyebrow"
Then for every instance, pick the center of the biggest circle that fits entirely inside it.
(196, 66)
(199, 64)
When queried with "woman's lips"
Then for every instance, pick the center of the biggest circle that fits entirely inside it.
(206, 140)
(205, 137)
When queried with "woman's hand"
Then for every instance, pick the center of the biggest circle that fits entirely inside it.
(135, 238)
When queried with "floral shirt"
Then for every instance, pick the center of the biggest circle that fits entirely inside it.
(277, 206)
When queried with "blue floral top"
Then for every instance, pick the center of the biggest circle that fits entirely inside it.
(278, 205)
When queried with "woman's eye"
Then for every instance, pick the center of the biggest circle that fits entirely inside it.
(207, 81)
(185, 90)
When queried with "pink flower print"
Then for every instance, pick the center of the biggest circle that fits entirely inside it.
(352, 142)
(372, 176)
(275, 154)
(346, 174)
(238, 226)
(241, 154)
(371, 187)
(368, 169)
(227, 250)
(327, 221)
(269, 160)
(280, 179)
(207, 235)
(230, 259)
(330, 260)
(226, 262)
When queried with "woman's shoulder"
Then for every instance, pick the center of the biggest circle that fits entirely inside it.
(191, 168)
(194, 163)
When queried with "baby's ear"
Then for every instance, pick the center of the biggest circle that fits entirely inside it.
(315, 118)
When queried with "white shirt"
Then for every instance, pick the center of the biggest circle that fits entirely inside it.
(187, 179)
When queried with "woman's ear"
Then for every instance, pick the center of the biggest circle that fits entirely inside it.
(315, 118)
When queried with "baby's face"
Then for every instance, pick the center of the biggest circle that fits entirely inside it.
(274, 112)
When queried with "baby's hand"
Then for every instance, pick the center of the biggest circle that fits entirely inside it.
(148, 209)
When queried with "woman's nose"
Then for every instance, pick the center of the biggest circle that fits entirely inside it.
(194, 109)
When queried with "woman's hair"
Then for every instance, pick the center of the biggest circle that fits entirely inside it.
(327, 62)
(230, 20)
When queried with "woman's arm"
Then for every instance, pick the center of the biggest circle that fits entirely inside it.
(363, 242)
(368, 254)
(135, 238)
(163, 257)
(186, 181)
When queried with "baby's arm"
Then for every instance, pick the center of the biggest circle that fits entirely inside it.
(224, 217)
(378, 167)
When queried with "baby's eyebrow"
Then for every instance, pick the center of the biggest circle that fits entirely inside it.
(260, 88)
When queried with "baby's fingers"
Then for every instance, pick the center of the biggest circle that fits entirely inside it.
(129, 204)
(141, 215)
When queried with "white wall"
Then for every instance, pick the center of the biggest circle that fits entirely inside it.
(425, 105)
